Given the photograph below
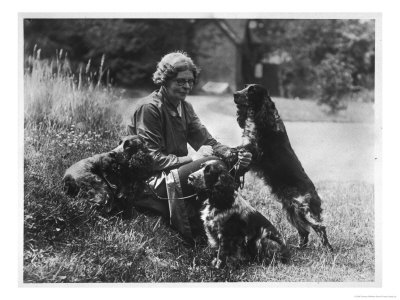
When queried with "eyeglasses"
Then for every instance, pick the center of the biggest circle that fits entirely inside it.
(182, 81)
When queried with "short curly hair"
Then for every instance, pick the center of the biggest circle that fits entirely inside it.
(171, 64)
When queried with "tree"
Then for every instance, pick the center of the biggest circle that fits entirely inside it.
(334, 81)
(314, 44)
(131, 46)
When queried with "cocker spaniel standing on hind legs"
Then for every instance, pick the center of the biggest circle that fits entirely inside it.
(264, 135)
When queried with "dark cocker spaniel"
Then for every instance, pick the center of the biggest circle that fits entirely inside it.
(264, 135)
(232, 225)
(111, 180)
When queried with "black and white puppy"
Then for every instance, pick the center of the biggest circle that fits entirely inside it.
(231, 224)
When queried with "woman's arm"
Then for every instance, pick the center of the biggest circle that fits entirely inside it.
(198, 134)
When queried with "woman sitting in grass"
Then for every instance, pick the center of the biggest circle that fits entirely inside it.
(168, 123)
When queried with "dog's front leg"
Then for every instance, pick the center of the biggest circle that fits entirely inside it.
(217, 262)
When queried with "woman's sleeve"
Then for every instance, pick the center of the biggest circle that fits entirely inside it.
(146, 122)
(198, 135)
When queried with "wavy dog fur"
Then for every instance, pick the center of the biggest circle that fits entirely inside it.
(264, 135)
(232, 226)
(111, 180)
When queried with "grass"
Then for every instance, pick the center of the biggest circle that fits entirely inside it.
(56, 96)
(65, 240)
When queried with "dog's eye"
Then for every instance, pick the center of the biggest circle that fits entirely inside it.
(250, 89)
(207, 169)
(127, 145)
(120, 142)
(136, 143)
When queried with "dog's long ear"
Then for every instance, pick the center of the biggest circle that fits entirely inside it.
(269, 117)
(141, 164)
(257, 93)
(222, 193)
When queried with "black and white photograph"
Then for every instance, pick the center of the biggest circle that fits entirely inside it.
(195, 149)
(175, 149)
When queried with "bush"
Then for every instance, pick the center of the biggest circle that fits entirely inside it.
(334, 82)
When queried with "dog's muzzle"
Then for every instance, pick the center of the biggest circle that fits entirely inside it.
(239, 99)
(118, 149)
(196, 179)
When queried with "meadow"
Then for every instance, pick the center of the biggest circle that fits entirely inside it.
(67, 118)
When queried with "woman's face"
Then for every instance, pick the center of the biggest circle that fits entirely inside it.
(179, 87)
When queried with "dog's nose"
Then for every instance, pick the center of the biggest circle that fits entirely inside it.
(235, 97)
(190, 178)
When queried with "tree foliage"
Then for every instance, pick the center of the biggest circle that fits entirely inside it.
(131, 46)
(317, 54)
(327, 58)
(334, 81)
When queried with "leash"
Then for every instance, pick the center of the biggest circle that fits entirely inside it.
(235, 166)
(165, 198)
(113, 187)
(241, 179)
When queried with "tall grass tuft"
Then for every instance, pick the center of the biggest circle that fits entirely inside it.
(56, 96)
(67, 117)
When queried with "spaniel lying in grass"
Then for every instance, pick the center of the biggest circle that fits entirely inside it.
(264, 135)
(114, 179)
(232, 226)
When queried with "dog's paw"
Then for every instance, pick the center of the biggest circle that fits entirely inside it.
(216, 263)
(303, 242)
(301, 246)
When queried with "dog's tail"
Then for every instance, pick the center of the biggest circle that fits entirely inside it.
(285, 254)
(302, 211)
(70, 187)
(270, 233)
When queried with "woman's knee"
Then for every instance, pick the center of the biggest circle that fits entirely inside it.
(185, 170)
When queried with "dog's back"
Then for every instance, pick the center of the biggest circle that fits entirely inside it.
(81, 173)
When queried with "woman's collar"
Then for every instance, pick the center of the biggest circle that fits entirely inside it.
(173, 109)
(163, 93)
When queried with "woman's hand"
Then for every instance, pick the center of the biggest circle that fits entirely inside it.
(204, 151)
(244, 159)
